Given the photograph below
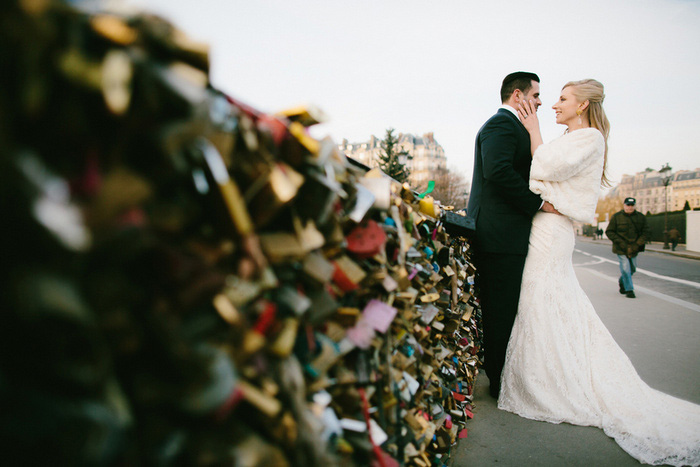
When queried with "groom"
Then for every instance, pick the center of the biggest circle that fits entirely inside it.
(501, 207)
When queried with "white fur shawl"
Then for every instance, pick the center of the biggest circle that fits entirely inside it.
(567, 171)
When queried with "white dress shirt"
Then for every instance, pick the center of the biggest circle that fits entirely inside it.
(510, 109)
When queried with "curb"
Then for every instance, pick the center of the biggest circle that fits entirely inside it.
(695, 256)
(673, 253)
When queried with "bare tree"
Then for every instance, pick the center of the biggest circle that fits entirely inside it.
(451, 188)
(609, 205)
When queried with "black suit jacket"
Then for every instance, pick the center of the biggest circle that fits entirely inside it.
(501, 205)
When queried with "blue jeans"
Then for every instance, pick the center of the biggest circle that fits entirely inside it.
(627, 267)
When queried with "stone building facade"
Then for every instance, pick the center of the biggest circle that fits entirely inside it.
(648, 189)
(427, 158)
(686, 187)
(366, 152)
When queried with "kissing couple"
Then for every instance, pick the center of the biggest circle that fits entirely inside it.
(548, 355)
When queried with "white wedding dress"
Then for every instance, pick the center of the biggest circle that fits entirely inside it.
(562, 364)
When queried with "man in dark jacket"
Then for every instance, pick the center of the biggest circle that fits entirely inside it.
(500, 211)
(628, 231)
(674, 236)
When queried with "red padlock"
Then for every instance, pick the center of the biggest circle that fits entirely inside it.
(366, 240)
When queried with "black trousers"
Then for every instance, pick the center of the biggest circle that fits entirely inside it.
(498, 279)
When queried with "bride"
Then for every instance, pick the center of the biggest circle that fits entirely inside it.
(562, 364)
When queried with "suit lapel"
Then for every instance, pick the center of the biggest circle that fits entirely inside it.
(510, 115)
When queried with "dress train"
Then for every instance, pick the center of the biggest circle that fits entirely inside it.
(563, 365)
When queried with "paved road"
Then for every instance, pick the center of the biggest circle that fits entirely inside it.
(674, 276)
(658, 331)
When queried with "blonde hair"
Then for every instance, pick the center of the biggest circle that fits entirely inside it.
(593, 91)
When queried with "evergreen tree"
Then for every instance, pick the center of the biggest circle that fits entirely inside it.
(686, 206)
(389, 158)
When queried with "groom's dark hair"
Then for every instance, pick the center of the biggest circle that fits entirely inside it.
(519, 80)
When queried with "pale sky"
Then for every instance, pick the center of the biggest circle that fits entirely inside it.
(421, 66)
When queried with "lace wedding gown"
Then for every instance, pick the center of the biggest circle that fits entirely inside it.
(562, 364)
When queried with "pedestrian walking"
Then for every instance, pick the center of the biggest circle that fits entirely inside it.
(674, 236)
(629, 232)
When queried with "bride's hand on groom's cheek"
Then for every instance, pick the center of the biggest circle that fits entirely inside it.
(527, 111)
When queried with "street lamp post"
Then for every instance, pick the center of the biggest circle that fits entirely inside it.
(666, 180)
